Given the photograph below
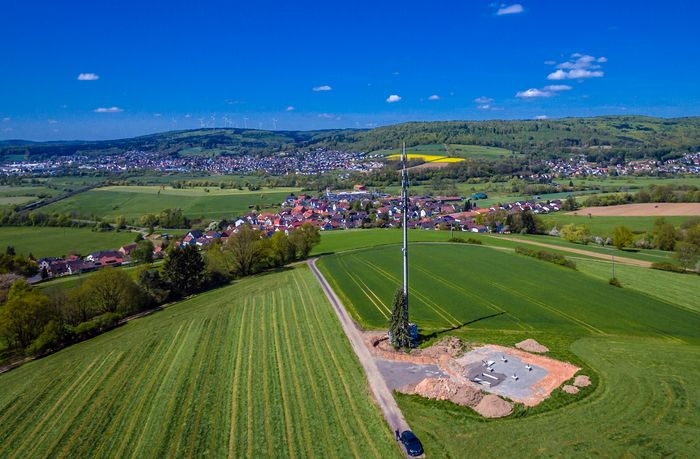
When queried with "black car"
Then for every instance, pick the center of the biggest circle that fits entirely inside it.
(411, 443)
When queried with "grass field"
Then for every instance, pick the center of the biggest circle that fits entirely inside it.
(49, 241)
(630, 183)
(257, 369)
(135, 201)
(604, 226)
(642, 341)
(470, 288)
(455, 150)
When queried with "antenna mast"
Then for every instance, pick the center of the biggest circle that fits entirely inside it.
(404, 212)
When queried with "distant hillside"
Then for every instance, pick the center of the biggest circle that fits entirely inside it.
(605, 136)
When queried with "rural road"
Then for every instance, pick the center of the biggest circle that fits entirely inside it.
(378, 386)
(602, 256)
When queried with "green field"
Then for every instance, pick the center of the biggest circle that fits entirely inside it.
(642, 345)
(257, 369)
(47, 241)
(135, 201)
(604, 226)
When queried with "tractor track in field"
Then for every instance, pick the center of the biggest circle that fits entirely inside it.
(602, 256)
(382, 395)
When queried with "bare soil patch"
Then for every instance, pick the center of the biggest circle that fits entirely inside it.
(569, 389)
(530, 345)
(430, 165)
(493, 406)
(582, 381)
(661, 209)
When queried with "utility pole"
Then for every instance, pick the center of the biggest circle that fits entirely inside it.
(404, 211)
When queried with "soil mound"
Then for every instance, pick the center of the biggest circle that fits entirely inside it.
(493, 406)
(569, 389)
(582, 381)
(449, 345)
(530, 345)
(445, 389)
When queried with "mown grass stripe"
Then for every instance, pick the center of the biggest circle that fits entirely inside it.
(235, 384)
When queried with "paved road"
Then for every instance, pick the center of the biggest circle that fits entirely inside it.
(378, 386)
(602, 256)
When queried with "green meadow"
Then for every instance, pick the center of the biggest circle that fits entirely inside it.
(604, 226)
(257, 369)
(43, 241)
(135, 201)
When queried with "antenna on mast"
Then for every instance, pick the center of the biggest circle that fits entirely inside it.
(404, 212)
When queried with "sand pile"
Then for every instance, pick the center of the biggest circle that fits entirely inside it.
(493, 406)
(450, 346)
(582, 381)
(445, 389)
(530, 345)
(569, 389)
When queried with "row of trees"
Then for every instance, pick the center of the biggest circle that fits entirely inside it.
(34, 322)
(653, 193)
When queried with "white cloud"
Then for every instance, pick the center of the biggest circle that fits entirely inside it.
(7, 119)
(557, 87)
(579, 66)
(188, 115)
(290, 108)
(483, 100)
(550, 62)
(157, 115)
(434, 97)
(484, 107)
(534, 92)
(88, 77)
(52, 121)
(393, 98)
(328, 116)
(541, 117)
(108, 110)
(324, 87)
(515, 8)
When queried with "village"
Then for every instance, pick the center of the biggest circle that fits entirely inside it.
(343, 210)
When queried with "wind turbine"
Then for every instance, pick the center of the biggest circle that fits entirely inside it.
(274, 124)
(245, 122)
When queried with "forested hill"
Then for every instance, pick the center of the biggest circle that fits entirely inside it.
(605, 136)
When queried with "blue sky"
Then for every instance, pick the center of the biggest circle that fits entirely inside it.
(91, 70)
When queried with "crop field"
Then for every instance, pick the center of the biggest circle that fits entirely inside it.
(427, 158)
(50, 241)
(257, 369)
(135, 201)
(643, 346)
(604, 226)
(468, 289)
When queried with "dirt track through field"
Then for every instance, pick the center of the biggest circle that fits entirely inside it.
(602, 256)
(662, 209)
(380, 390)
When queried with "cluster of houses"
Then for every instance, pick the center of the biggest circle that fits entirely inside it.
(330, 211)
(579, 166)
(314, 162)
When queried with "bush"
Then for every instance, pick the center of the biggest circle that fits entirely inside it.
(97, 325)
(53, 337)
(668, 267)
(469, 240)
(546, 256)
(615, 282)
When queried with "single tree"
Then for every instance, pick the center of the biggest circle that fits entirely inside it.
(143, 253)
(622, 237)
(245, 249)
(304, 239)
(399, 328)
(184, 269)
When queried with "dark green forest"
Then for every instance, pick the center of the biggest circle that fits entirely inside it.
(599, 138)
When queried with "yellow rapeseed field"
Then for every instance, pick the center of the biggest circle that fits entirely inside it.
(428, 158)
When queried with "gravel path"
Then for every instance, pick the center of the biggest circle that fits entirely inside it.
(378, 386)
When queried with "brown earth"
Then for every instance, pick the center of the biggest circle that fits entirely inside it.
(445, 389)
(661, 209)
(430, 165)
(569, 389)
(582, 381)
(530, 345)
(493, 406)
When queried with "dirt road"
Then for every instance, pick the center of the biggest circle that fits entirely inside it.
(602, 256)
(378, 386)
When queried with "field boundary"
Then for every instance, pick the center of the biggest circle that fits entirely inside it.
(382, 395)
